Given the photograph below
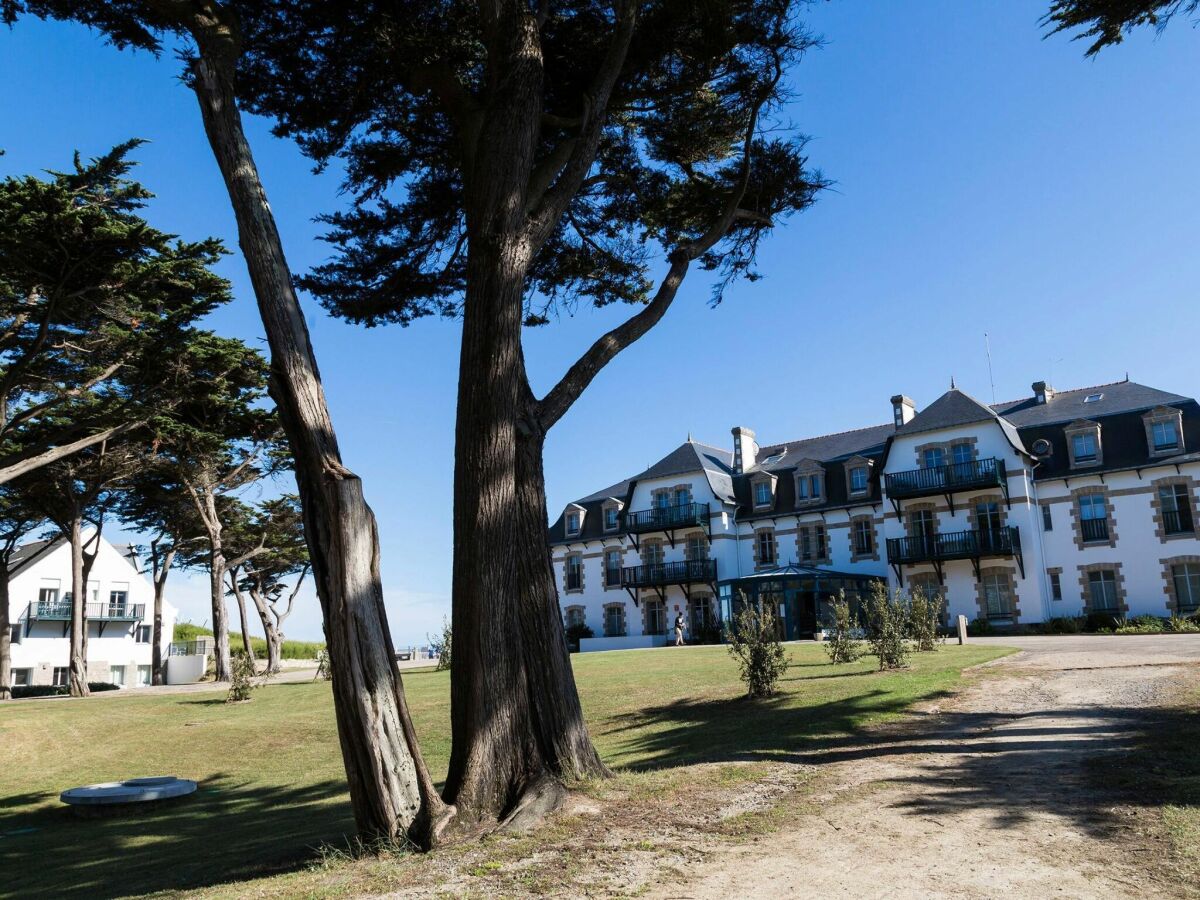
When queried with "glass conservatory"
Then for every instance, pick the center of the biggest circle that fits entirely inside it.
(799, 596)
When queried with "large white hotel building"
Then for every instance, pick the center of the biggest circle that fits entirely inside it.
(1058, 504)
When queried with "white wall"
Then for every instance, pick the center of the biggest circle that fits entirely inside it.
(43, 645)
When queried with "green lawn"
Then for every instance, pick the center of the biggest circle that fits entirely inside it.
(272, 786)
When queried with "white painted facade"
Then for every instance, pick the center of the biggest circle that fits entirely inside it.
(120, 609)
(992, 553)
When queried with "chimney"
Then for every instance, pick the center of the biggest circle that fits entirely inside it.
(745, 450)
(1042, 392)
(903, 409)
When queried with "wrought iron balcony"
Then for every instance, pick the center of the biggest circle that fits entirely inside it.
(60, 611)
(964, 476)
(1178, 521)
(1093, 529)
(663, 518)
(657, 575)
(939, 548)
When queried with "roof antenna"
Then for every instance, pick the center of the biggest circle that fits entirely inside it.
(951, 382)
(991, 378)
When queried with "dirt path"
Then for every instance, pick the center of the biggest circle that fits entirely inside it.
(994, 794)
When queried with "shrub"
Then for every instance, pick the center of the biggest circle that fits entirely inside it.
(576, 633)
(324, 665)
(924, 619)
(1177, 625)
(241, 678)
(441, 646)
(980, 627)
(1142, 625)
(1063, 625)
(887, 622)
(26, 691)
(754, 643)
(190, 631)
(840, 641)
(1099, 622)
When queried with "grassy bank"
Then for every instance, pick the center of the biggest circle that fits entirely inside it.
(272, 785)
(188, 631)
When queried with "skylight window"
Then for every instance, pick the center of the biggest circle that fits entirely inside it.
(1093, 398)
(774, 458)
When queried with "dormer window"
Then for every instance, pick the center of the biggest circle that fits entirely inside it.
(573, 520)
(859, 480)
(762, 493)
(1164, 431)
(1084, 446)
(1083, 443)
(611, 518)
(810, 483)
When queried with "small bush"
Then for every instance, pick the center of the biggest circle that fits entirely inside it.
(576, 633)
(924, 619)
(1097, 622)
(980, 627)
(1063, 625)
(324, 665)
(1142, 625)
(887, 622)
(241, 678)
(840, 641)
(26, 691)
(1177, 625)
(442, 645)
(754, 643)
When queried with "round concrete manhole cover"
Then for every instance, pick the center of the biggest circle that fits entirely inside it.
(125, 793)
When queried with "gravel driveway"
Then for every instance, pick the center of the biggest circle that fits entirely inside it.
(991, 794)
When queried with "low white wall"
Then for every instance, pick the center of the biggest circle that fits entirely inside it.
(629, 642)
(185, 669)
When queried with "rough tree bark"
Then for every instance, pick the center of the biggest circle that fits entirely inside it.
(5, 634)
(206, 506)
(77, 670)
(247, 647)
(161, 561)
(390, 788)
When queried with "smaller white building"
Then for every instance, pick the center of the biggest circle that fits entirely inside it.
(120, 616)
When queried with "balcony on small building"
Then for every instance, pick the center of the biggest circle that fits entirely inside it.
(973, 545)
(977, 474)
(60, 611)
(660, 576)
(666, 519)
(1091, 530)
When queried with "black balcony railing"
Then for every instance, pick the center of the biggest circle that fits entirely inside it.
(954, 545)
(60, 610)
(662, 518)
(1093, 529)
(659, 574)
(964, 476)
(1178, 521)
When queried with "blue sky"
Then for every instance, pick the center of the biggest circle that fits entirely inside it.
(986, 181)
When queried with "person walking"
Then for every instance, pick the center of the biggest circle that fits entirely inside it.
(678, 629)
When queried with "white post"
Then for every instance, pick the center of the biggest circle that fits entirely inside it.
(962, 629)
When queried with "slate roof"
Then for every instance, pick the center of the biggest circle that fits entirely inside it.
(1067, 406)
(828, 447)
(951, 409)
(27, 553)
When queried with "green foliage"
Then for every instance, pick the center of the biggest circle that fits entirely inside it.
(1106, 22)
(1100, 623)
(924, 619)
(442, 645)
(575, 633)
(1063, 625)
(841, 641)
(189, 631)
(58, 690)
(980, 627)
(324, 664)
(887, 627)
(754, 643)
(241, 678)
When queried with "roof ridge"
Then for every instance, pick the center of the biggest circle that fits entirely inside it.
(709, 446)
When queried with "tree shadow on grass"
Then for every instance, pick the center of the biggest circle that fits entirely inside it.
(227, 831)
(1072, 763)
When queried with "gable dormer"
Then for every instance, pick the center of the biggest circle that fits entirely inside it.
(809, 482)
(573, 520)
(1164, 430)
(858, 477)
(1084, 448)
(762, 491)
(611, 511)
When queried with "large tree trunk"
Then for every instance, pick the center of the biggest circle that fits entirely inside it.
(77, 670)
(247, 647)
(390, 788)
(272, 633)
(220, 615)
(5, 637)
(161, 571)
(565, 743)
